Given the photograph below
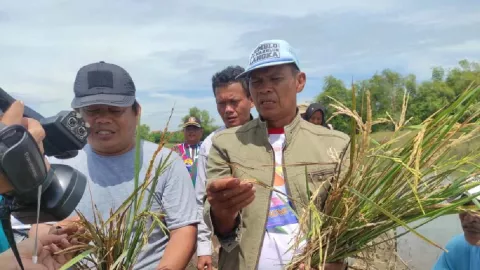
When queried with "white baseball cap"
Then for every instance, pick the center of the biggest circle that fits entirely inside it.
(475, 190)
(270, 53)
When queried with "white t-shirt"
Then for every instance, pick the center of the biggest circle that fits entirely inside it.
(282, 224)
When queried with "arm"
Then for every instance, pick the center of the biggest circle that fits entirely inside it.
(178, 204)
(228, 230)
(180, 248)
(204, 243)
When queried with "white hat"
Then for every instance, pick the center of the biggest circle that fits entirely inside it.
(475, 190)
(270, 53)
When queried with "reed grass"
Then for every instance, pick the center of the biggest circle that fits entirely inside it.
(414, 174)
(115, 243)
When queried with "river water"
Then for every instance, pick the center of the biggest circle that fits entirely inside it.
(420, 255)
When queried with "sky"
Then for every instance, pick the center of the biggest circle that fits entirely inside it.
(172, 48)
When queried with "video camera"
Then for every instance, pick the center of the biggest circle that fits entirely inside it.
(60, 189)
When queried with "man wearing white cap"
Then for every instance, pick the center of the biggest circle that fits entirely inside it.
(255, 226)
(464, 249)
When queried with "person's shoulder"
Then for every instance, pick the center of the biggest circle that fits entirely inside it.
(321, 131)
(235, 131)
(458, 244)
(207, 143)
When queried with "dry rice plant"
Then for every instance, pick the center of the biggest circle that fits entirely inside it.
(115, 243)
(379, 187)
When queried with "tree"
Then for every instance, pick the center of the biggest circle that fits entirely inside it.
(205, 118)
(388, 87)
(335, 88)
(144, 131)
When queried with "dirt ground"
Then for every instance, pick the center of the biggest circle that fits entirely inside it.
(384, 257)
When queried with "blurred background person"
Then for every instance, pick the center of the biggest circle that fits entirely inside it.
(315, 114)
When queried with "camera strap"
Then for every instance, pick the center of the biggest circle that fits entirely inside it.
(7, 206)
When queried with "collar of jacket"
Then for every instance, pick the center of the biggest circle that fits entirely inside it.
(290, 129)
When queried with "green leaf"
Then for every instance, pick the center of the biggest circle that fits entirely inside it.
(76, 259)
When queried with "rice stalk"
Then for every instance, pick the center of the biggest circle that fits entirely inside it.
(391, 184)
(115, 243)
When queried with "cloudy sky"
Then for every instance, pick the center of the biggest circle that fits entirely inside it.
(172, 48)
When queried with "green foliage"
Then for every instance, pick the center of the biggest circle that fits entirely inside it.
(387, 89)
(144, 132)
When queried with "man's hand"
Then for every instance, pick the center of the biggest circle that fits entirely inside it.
(47, 245)
(14, 116)
(204, 262)
(227, 197)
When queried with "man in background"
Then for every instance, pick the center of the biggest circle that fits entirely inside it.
(189, 149)
(464, 249)
(233, 105)
(316, 114)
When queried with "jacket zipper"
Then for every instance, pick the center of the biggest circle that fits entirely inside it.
(268, 208)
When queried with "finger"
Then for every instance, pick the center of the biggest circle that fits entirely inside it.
(48, 239)
(14, 114)
(221, 184)
(236, 200)
(209, 266)
(244, 203)
(227, 194)
(301, 267)
(54, 248)
(41, 148)
(47, 164)
(35, 129)
(69, 229)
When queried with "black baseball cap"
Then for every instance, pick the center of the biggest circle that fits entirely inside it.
(103, 84)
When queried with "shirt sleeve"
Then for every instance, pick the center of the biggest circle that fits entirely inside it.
(456, 256)
(204, 243)
(217, 168)
(178, 196)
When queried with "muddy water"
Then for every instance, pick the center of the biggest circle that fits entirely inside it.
(420, 255)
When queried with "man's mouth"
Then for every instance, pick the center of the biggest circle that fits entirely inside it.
(472, 229)
(266, 102)
(104, 132)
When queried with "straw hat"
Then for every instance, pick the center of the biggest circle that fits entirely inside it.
(302, 108)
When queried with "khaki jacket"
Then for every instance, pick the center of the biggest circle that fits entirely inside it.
(245, 152)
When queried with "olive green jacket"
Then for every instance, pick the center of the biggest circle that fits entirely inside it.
(245, 152)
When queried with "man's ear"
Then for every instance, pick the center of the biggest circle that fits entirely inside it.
(252, 104)
(301, 81)
(139, 112)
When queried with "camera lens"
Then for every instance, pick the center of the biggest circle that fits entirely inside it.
(82, 132)
(72, 122)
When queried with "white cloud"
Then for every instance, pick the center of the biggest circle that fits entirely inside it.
(171, 49)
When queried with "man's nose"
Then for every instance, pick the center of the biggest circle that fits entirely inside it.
(267, 87)
(103, 120)
(229, 109)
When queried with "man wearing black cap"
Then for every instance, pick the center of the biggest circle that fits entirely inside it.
(105, 97)
(189, 149)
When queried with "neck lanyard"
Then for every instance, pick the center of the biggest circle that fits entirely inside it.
(190, 151)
